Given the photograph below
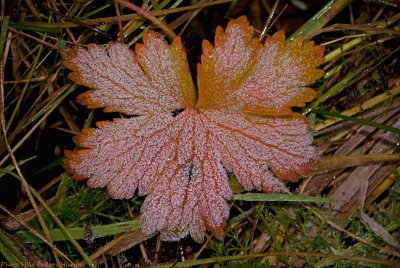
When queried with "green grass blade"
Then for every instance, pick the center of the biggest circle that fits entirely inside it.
(54, 164)
(10, 168)
(63, 229)
(321, 18)
(24, 26)
(26, 86)
(10, 252)
(357, 120)
(51, 105)
(215, 260)
(340, 86)
(8, 256)
(79, 232)
(3, 33)
(279, 197)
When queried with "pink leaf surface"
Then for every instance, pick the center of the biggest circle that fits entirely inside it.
(177, 148)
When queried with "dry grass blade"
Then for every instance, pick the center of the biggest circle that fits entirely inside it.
(329, 164)
(118, 245)
(379, 230)
(349, 188)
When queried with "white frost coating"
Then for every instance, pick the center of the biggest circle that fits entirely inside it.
(233, 55)
(280, 144)
(241, 74)
(181, 194)
(229, 61)
(162, 67)
(187, 210)
(271, 84)
(180, 161)
(119, 82)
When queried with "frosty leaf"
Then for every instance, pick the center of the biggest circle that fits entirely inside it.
(123, 82)
(240, 73)
(170, 159)
(177, 151)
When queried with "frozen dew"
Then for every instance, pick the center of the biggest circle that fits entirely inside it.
(178, 154)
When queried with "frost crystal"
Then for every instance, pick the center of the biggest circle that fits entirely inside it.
(178, 148)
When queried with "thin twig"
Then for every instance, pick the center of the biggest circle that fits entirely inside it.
(268, 22)
(150, 17)
(130, 17)
(120, 29)
(69, 18)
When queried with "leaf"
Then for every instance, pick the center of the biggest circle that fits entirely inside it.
(166, 86)
(175, 147)
(241, 74)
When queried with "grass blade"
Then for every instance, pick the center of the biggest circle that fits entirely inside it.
(279, 198)
(357, 120)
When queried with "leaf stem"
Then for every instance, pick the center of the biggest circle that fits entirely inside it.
(150, 17)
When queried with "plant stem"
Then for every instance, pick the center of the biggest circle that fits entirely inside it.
(150, 17)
